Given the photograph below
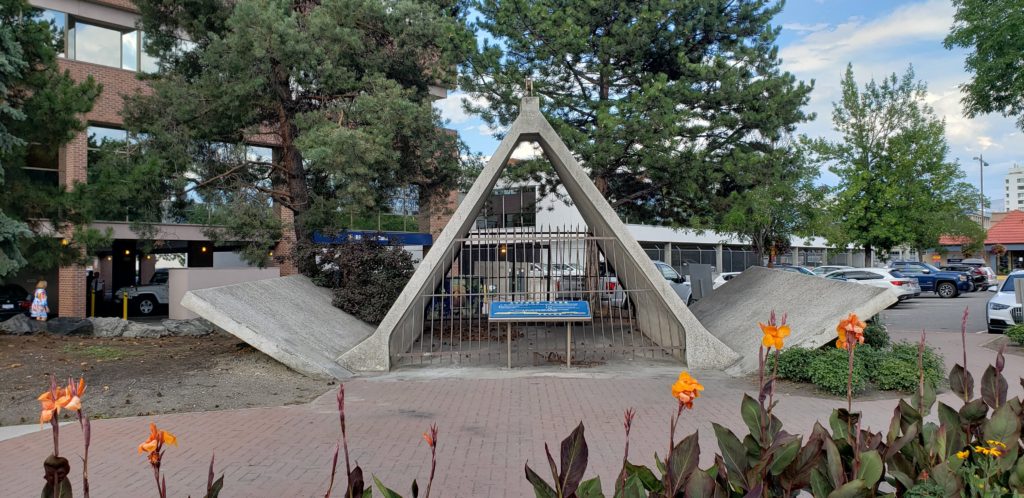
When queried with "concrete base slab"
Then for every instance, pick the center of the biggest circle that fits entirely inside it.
(288, 318)
(814, 306)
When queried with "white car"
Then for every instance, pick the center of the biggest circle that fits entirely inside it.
(885, 278)
(1003, 311)
(823, 270)
(722, 278)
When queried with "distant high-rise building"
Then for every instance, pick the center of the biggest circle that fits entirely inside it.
(1014, 189)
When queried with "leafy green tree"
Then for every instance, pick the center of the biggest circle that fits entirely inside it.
(784, 202)
(669, 105)
(340, 89)
(991, 29)
(896, 184)
(39, 112)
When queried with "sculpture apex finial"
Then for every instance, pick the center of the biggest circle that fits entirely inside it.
(529, 105)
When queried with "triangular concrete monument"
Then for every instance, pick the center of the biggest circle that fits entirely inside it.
(662, 316)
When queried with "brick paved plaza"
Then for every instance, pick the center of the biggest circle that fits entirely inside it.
(490, 425)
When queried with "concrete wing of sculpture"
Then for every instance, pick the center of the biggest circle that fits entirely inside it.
(813, 307)
(675, 323)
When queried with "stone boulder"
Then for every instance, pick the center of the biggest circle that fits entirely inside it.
(103, 326)
(145, 330)
(188, 328)
(19, 325)
(69, 326)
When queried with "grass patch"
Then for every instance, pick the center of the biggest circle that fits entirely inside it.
(105, 353)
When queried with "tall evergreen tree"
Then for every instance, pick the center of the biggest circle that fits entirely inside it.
(991, 29)
(39, 109)
(673, 107)
(896, 183)
(340, 89)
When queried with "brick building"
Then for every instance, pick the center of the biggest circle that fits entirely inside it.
(100, 39)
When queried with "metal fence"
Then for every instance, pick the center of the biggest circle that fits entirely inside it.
(738, 259)
(534, 264)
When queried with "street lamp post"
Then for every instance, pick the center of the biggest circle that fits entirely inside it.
(981, 185)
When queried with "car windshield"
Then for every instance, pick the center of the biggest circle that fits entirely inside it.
(928, 266)
(1009, 283)
(12, 292)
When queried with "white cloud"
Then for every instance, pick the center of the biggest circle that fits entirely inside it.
(805, 28)
(451, 108)
(821, 49)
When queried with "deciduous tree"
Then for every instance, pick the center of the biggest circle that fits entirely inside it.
(991, 30)
(897, 185)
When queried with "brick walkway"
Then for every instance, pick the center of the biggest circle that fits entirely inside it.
(489, 427)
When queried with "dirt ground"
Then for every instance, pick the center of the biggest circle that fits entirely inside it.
(146, 376)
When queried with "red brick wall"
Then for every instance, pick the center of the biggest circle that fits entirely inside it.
(116, 84)
(73, 158)
(436, 212)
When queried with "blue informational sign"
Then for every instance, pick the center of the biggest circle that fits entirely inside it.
(383, 238)
(532, 311)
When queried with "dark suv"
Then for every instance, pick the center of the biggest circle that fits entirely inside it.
(944, 283)
(979, 280)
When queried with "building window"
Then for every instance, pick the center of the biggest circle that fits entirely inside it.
(107, 45)
(100, 136)
(59, 27)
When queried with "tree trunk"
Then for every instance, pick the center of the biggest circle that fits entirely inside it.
(867, 255)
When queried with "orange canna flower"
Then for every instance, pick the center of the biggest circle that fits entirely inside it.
(851, 332)
(773, 335)
(68, 398)
(155, 443)
(686, 389)
(428, 439)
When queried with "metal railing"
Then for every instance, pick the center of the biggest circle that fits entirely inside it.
(534, 264)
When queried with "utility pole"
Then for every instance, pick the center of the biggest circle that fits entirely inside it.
(981, 184)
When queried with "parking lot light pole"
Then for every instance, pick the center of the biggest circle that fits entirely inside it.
(981, 186)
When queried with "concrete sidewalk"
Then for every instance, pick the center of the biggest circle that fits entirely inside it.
(489, 427)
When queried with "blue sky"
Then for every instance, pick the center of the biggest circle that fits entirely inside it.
(819, 37)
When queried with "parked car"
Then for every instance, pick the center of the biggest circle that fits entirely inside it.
(946, 284)
(794, 269)
(979, 280)
(989, 272)
(885, 278)
(14, 300)
(146, 299)
(573, 287)
(1003, 311)
(722, 278)
(823, 270)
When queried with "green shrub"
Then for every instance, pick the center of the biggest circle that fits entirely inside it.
(795, 363)
(926, 489)
(829, 371)
(875, 335)
(1016, 334)
(897, 370)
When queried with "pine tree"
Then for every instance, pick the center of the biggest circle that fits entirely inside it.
(673, 107)
(340, 89)
(39, 109)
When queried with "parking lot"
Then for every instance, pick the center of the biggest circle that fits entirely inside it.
(935, 314)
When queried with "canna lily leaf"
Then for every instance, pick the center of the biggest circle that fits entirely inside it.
(574, 455)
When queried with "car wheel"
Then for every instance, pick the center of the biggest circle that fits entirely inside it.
(145, 305)
(689, 301)
(946, 290)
